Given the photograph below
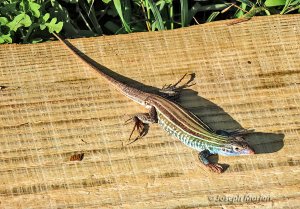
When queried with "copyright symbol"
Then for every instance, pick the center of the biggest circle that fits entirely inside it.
(210, 198)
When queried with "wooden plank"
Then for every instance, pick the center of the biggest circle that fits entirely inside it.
(53, 106)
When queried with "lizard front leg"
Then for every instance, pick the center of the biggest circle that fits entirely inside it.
(203, 157)
(141, 122)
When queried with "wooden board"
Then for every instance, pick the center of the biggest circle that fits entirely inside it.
(53, 106)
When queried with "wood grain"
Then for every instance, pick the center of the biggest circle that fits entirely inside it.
(53, 106)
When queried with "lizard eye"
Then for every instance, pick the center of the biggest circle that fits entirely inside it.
(236, 149)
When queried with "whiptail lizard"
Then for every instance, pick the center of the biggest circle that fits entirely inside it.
(177, 121)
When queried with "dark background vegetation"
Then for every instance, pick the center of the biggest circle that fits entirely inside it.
(32, 21)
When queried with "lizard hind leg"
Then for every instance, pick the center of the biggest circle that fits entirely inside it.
(172, 91)
(141, 124)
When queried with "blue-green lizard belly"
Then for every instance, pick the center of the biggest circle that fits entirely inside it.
(184, 137)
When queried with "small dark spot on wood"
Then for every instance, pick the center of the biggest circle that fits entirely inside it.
(83, 141)
(249, 62)
(170, 175)
(292, 162)
(77, 157)
(3, 87)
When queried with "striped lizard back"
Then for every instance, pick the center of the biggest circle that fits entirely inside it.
(185, 126)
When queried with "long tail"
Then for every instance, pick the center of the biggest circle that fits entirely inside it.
(91, 63)
(133, 93)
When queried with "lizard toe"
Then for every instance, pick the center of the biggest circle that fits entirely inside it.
(215, 167)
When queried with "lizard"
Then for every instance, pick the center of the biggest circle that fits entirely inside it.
(174, 119)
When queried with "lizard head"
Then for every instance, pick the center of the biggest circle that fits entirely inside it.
(237, 146)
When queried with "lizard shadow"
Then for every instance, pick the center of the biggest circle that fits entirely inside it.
(215, 117)
(212, 114)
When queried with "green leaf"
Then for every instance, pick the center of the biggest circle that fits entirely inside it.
(89, 10)
(212, 16)
(19, 21)
(43, 26)
(34, 8)
(154, 26)
(44, 20)
(36, 40)
(5, 39)
(253, 11)
(46, 17)
(53, 26)
(290, 5)
(273, 3)
(53, 21)
(58, 27)
(184, 12)
(71, 1)
(70, 27)
(240, 12)
(106, 1)
(3, 20)
(119, 9)
(161, 4)
(158, 19)
(295, 3)
(127, 10)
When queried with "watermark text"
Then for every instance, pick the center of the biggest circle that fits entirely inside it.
(239, 198)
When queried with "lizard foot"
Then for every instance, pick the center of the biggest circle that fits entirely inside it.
(173, 91)
(215, 167)
(141, 123)
(140, 127)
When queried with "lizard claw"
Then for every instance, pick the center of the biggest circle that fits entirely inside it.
(139, 126)
(173, 90)
(215, 167)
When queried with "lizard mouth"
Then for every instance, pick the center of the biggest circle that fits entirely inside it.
(247, 151)
(250, 152)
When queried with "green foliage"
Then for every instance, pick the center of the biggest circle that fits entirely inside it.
(158, 23)
(120, 7)
(212, 16)
(291, 5)
(272, 3)
(184, 12)
(23, 21)
(31, 21)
